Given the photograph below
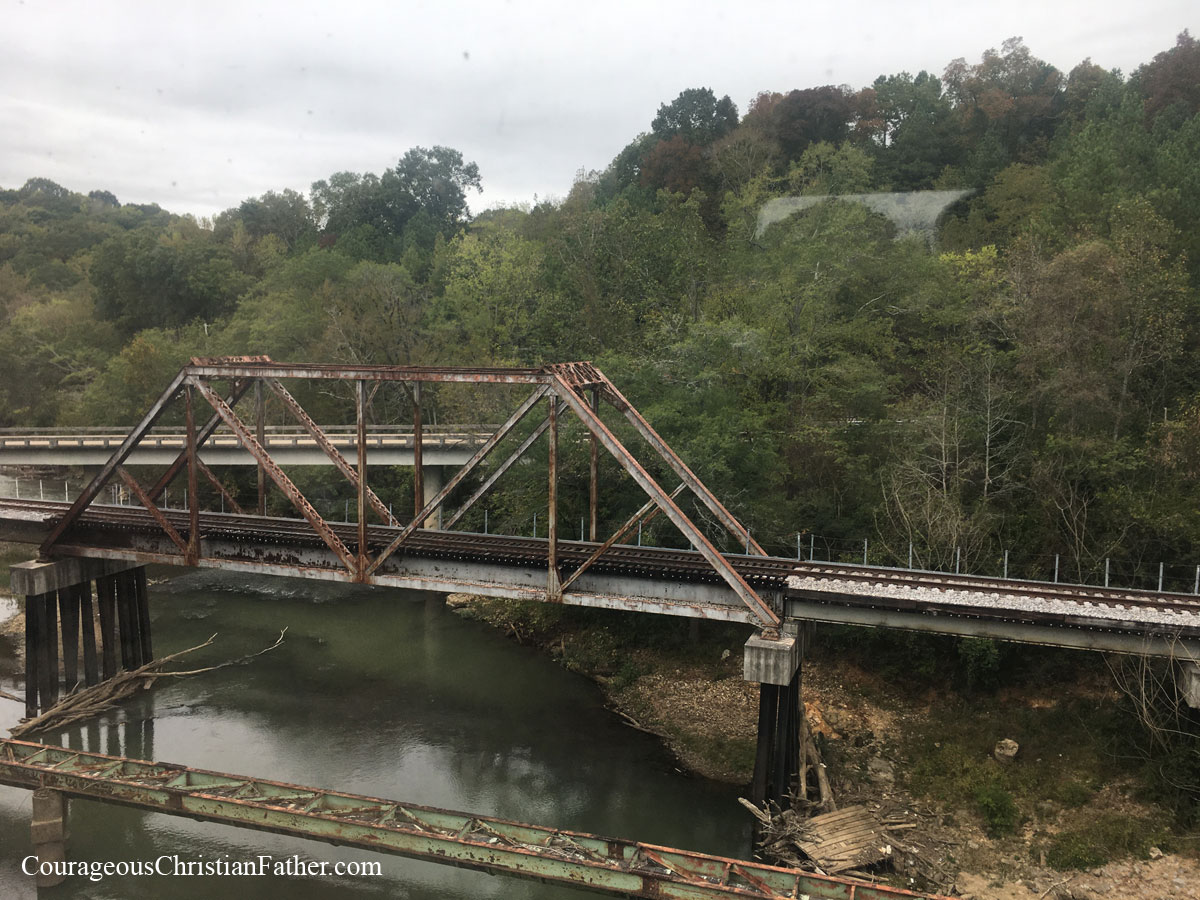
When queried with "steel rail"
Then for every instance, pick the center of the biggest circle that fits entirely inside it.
(606, 865)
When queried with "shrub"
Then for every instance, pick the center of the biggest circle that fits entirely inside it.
(998, 809)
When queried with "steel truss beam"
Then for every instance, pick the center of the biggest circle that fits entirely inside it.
(607, 865)
(578, 387)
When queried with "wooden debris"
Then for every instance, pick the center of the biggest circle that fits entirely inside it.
(92, 701)
(846, 839)
(853, 839)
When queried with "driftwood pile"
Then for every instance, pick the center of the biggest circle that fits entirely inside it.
(91, 701)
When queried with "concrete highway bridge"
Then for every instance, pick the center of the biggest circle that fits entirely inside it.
(288, 445)
(86, 543)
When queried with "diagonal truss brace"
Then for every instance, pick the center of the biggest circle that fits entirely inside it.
(501, 469)
(276, 474)
(335, 455)
(152, 508)
(663, 449)
(84, 500)
(237, 391)
(617, 535)
(220, 488)
(480, 455)
(695, 537)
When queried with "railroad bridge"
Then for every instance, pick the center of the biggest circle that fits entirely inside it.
(92, 555)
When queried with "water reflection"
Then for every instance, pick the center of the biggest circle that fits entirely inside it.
(377, 692)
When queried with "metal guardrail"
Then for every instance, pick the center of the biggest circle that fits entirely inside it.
(281, 437)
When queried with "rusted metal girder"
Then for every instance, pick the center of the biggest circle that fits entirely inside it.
(335, 456)
(234, 506)
(501, 469)
(320, 526)
(480, 455)
(418, 452)
(769, 617)
(576, 386)
(203, 434)
(89, 493)
(221, 368)
(736, 528)
(648, 510)
(155, 512)
(607, 865)
(553, 585)
(193, 545)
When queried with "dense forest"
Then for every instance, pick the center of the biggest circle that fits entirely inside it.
(1026, 379)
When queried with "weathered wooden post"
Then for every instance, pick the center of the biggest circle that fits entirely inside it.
(61, 590)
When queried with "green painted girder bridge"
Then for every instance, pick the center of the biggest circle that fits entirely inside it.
(608, 865)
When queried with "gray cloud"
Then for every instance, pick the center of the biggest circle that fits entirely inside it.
(198, 105)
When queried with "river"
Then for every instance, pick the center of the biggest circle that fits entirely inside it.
(378, 692)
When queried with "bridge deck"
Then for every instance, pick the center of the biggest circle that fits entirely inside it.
(674, 582)
(625, 868)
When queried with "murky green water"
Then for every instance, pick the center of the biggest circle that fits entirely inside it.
(375, 692)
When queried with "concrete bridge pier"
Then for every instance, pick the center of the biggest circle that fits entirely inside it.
(61, 615)
(431, 483)
(775, 662)
(48, 830)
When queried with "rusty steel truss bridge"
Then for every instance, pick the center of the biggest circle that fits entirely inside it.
(87, 542)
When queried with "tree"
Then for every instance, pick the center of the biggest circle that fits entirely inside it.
(433, 182)
(1172, 79)
(697, 116)
(438, 181)
(804, 117)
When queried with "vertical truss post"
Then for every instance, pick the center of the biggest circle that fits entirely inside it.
(192, 556)
(502, 468)
(260, 430)
(593, 473)
(335, 455)
(553, 590)
(418, 441)
(479, 456)
(237, 390)
(360, 404)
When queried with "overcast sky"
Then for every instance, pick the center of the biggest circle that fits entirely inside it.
(199, 105)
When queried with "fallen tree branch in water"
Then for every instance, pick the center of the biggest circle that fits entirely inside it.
(92, 701)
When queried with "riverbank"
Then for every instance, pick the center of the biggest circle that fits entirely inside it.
(909, 725)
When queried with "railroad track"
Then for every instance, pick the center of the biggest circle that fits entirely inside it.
(828, 583)
(1083, 595)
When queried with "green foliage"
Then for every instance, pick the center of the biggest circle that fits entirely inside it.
(980, 660)
(999, 810)
(1105, 837)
